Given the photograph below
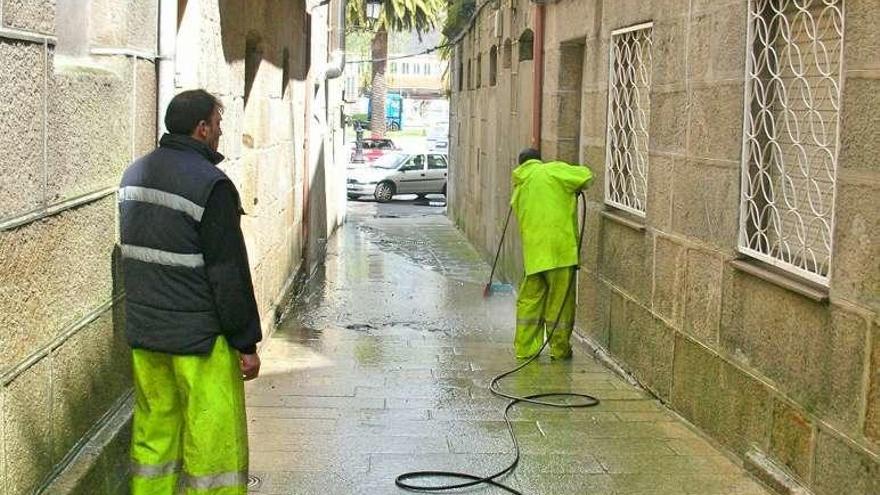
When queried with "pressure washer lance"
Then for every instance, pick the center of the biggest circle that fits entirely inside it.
(487, 291)
(403, 481)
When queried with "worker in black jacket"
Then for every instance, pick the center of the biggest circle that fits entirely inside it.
(191, 316)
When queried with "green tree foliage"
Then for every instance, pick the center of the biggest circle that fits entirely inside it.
(458, 16)
(394, 15)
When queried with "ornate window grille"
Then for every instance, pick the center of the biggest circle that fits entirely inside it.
(791, 134)
(626, 148)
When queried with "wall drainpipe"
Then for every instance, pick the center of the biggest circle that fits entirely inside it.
(538, 76)
(336, 64)
(333, 68)
(165, 66)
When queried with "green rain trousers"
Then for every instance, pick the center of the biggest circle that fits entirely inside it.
(540, 297)
(189, 430)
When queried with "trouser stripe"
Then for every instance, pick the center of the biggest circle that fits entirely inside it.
(213, 481)
(154, 470)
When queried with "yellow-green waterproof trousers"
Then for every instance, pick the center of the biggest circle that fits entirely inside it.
(541, 295)
(189, 429)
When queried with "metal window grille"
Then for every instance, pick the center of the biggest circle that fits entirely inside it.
(791, 134)
(626, 148)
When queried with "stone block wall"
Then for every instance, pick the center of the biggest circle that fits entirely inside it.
(281, 142)
(263, 137)
(768, 365)
(488, 127)
(70, 126)
(79, 97)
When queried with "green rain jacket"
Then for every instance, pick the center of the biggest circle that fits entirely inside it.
(546, 207)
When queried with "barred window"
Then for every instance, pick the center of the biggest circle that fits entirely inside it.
(626, 144)
(790, 141)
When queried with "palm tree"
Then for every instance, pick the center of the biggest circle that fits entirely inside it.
(393, 15)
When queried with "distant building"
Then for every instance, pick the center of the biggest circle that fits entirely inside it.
(419, 76)
(409, 71)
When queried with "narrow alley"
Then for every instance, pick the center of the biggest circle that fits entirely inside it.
(382, 368)
(202, 200)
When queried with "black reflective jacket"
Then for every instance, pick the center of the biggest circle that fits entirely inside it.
(169, 301)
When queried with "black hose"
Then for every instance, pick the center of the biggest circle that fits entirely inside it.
(403, 480)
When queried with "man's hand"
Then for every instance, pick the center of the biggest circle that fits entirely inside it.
(250, 366)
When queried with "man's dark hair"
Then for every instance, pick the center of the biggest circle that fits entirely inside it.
(189, 108)
(529, 154)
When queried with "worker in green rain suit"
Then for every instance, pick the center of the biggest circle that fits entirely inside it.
(545, 202)
(191, 318)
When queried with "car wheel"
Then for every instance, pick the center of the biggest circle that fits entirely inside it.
(384, 192)
(395, 126)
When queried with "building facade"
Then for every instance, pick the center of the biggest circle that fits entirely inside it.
(414, 68)
(83, 89)
(731, 255)
(420, 75)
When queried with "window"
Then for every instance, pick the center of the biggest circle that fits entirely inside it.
(436, 162)
(417, 69)
(394, 67)
(415, 163)
(350, 88)
(493, 66)
(460, 76)
(526, 45)
(470, 75)
(791, 123)
(404, 68)
(508, 54)
(626, 149)
(480, 71)
(427, 70)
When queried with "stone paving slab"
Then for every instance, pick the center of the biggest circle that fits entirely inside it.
(382, 367)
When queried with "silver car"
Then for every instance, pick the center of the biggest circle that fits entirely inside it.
(399, 173)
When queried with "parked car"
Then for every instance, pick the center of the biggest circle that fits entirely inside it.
(438, 137)
(400, 173)
(439, 146)
(374, 148)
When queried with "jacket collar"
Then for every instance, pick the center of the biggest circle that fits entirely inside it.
(184, 142)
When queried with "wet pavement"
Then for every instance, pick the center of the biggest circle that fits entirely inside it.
(381, 367)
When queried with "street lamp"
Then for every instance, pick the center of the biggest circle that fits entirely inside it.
(373, 9)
